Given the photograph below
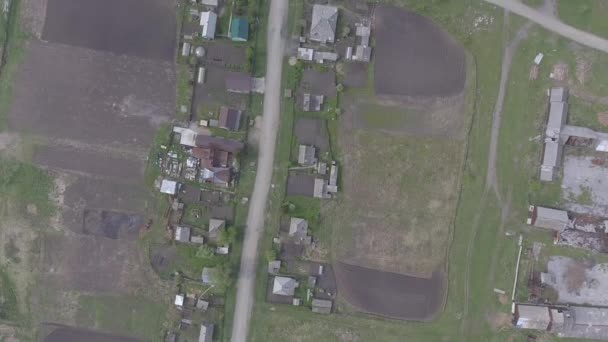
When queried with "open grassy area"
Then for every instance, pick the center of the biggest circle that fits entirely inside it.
(130, 315)
(588, 15)
(12, 41)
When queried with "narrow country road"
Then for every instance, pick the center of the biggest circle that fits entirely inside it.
(277, 19)
(553, 24)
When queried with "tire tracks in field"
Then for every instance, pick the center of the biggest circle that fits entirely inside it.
(491, 183)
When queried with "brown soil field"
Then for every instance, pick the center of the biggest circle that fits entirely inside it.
(144, 28)
(97, 98)
(212, 93)
(414, 56)
(390, 294)
(312, 131)
(300, 185)
(319, 83)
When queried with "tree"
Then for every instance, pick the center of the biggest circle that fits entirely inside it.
(227, 236)
(223, 276)
(340, 88)
(271, 255)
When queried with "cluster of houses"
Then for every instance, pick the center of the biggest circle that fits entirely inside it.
(325, 183)
(190, 304)
(239, 26)
(323, 31)
(283, 286)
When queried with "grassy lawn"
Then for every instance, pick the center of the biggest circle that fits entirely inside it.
(588, 15)
(130, 315)
(12, 41)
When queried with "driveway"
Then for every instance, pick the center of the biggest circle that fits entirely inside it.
(257, 208)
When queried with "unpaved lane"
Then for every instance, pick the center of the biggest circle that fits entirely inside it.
(553, 24)
(257, 208)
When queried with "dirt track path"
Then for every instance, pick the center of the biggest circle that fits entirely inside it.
(257, 209)
(551, 23)
(491, 183)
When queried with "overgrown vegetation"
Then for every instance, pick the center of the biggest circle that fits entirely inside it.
(25, 188)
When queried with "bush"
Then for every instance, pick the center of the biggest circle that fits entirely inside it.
(227, 236)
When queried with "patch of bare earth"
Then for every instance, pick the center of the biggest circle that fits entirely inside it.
(602, 118)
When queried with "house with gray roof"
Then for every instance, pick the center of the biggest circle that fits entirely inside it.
(284, 286)
(206, 334)
(532, 317)
(298, 227)
(215, 227)
(306, 155)
(323, 25)
(182, 234)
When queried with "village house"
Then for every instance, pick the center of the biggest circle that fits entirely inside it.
(220, 176)
(312, 103)
(306, 155)
(182, 234)
(168, 187)
(215, 227)
(206, 334)
(239, 29)
(298, 230)
(229, 119)
(208, 23)
(323, 25)
(284, 286)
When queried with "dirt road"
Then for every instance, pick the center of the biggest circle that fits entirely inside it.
(257, 209)
(553, 24)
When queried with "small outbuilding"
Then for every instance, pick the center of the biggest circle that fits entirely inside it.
(179, 300)
(239, 29)
(182, 234)
(206, 334)
(274, 266)
(322, 306)
(284, 286)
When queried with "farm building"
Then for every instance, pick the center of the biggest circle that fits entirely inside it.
(322, 306)
(206, 334)
(208, 276)
(306, 155)
(323, 25)
(532, 317)
(548, 218)
(298, 227)
(215, 227)
(182, 234)
(274, 266)
(239, 29)
(284, 286)
(230, 118)
(168, 187)
(208, 23)
(238, 82)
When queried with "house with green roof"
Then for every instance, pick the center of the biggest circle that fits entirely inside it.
(239, 29)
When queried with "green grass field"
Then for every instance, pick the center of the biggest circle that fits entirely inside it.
(588, 15)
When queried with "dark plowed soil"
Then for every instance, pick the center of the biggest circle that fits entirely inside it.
(310, 131)
(69, 334)
(300, 185)
(112, 224)
(390, 294)
(144, 28)
(414, 56)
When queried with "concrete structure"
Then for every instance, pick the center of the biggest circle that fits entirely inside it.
(239, 29)
(182, 234)
(206, 334)
(322, 306)
(548, 218)
(323, 25)
(284, 286)
(298, 227)
(230, 118)
(306, 155)
(208, 276)
(208, 23)
(168, 187)
(274, 266)
(532, 317)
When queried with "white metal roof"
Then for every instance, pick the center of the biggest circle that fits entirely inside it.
(208, 22)
(168, 187)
